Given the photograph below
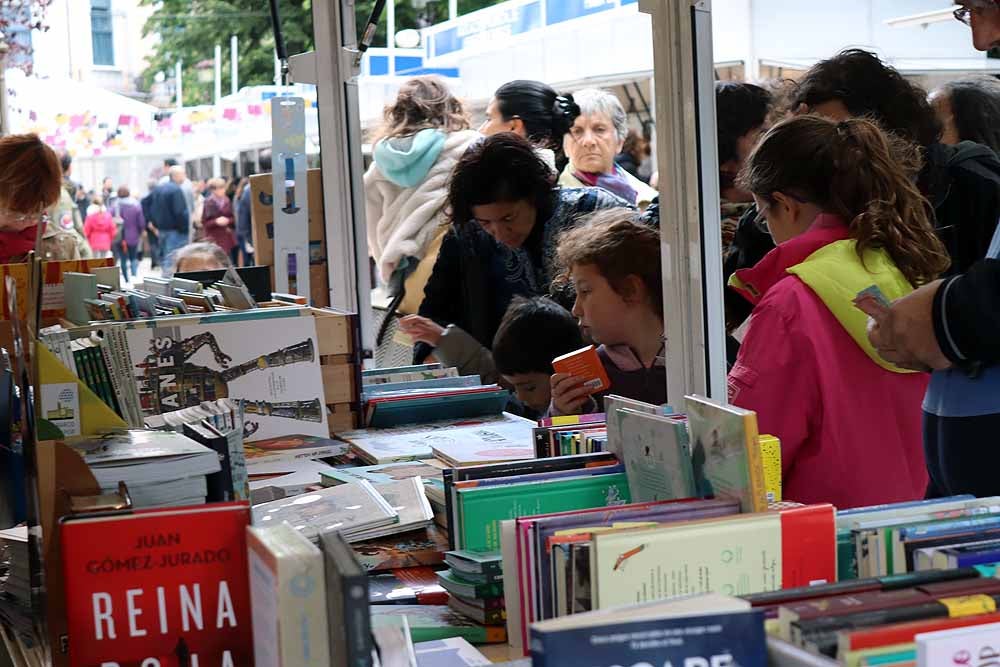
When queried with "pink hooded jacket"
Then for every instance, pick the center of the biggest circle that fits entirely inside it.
(849, 422)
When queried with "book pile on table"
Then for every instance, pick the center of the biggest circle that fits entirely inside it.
(917, 582)
(475, 584)
(414, 394)
(159, 468)
(15, 582)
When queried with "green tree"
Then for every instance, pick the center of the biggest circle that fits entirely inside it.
(188, 31)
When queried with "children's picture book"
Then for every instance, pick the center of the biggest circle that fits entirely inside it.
(293, 447)
(154, 585)
(483, 447)
(725, 453)
(389, 472)
(271, 363)
(611, 404)
(406, 497)
(656, 455)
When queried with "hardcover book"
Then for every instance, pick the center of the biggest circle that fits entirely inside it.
(700, 630)
(158, 585)
(656, 454)
(406, 497)
(271, 363)
(725, 453)
(430, 622)
(347, 604)
(288, 592)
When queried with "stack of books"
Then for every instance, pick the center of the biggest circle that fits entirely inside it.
(429, 471)
(475, 584)
(95, 301)
(16, 610)
(159, 468)
(572, 562)
(470, 441)
(574, 434)
(917, 584)
(414, 394)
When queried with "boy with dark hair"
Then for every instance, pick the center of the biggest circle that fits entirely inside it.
(532, 333)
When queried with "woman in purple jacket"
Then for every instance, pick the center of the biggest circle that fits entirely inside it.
(128, 213)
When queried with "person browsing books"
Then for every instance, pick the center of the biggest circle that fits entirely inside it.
(533, 333)
(838, 200)
(506, 215)
(613, 263)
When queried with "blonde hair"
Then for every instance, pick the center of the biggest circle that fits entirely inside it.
(423, 103)
(216, 183)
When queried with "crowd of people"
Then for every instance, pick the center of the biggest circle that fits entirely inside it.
(849, 178)
(206, 221)
(508, 246)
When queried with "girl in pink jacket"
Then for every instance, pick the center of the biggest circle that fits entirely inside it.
(838, 200)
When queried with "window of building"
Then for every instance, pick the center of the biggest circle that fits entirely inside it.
(100, 30)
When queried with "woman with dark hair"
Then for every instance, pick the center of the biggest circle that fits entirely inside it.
(424, 133)
(741, 111)
(535, 111)
(969, 110)
(635, 149)
(839, 201)
(506, 214)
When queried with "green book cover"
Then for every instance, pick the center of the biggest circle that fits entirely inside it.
(84, 361)
(97, 363)
(471, 563)
(481, 509)
(453, 583)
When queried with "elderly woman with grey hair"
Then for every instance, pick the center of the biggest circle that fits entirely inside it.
(597, 135)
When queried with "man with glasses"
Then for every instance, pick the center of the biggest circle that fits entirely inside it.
(983, 16)
(953, 326)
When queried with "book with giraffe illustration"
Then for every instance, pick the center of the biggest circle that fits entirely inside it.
(271, 364)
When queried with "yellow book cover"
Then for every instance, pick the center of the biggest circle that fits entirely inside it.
(732, 557)
(770, 454)
(93, 416)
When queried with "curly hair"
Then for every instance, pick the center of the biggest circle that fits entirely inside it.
(500, 168)
(619, 245)
(739, 108)
(869, 87)
(423, 103)
(859, 173)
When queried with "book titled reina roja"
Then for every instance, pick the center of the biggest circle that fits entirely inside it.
(158, 587)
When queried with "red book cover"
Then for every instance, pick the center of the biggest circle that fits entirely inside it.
(904, 633)
(808, 545)
(159, 587)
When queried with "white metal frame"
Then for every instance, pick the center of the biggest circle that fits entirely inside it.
(691, 242)
(336, 70)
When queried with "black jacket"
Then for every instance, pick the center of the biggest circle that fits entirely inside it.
(475, 278)
(168, 208)
(967, 315)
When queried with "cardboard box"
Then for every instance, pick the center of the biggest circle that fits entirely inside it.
(339, 383)
(319, 285)
(341, 418)
(262, 216)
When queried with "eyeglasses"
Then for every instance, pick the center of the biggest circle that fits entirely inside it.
(964, 13)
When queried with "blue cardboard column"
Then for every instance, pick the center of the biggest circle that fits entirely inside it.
(291, 196)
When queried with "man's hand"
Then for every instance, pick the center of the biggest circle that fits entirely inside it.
(569, 394)
(422, 330)
(904, 335)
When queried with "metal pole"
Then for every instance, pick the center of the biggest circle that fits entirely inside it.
(390, 35)
(452, 9)
(689, 196)
(218, 73)
(179, 84)
(234, 61)
(277, 70)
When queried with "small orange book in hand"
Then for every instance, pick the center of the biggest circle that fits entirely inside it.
(586, 365)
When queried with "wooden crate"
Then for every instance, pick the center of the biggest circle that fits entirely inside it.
(340, 361)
